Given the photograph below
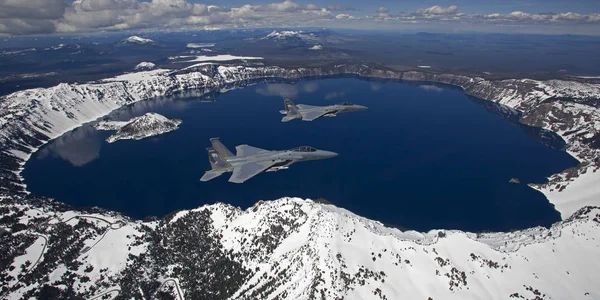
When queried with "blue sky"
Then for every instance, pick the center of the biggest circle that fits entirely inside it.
(466, 6)
(506, 16)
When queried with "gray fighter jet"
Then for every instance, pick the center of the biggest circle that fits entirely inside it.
(311, 112)
(250, 161)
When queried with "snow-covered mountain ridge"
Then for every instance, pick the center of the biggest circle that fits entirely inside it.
(148, 125)
(134, 39)
(286, 34)
(298, 36)
(145, 66)
(286, 249)
(282, 34)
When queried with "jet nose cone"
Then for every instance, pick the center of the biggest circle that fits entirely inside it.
(360, 107)
(329, 154)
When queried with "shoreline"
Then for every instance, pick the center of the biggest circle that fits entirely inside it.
(198, 80)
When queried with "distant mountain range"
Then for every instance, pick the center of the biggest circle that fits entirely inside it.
(138, 40)
(287, 35)
(308, 38)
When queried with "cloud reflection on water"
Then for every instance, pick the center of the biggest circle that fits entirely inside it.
(334, 95)
(82, 145)
(278, 89)
(287, 90)
(432, 88)
(79, 147)
(310, 87)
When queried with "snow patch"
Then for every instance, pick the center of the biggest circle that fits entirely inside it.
(200, 45)
(282, 34)
(134, 39)
(57, 47)
(13, 52)
(222, 57)
(145, 66)
(138, 76)
(579, 193)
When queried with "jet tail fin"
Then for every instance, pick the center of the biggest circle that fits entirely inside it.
(216, 160)
(220, 148)
(217, 164)
(291, 110)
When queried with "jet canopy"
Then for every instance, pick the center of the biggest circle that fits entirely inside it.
(304, 149)
(346, 104)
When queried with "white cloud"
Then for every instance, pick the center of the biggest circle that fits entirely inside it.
(46, 16)
(30, 16)
(431, 88)
(26, 26)
(527, 18)
(312, 7)
(568, 16)
(32, 9)
(344, 17)
(383, 10)
(286, 6)
(594, 17)
(438, 10)
(338, 8)
(41, 16)
(99, 5)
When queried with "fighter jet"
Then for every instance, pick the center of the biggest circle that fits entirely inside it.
(250, 161)
(310, 112)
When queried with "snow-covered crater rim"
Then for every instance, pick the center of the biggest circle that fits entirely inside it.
(223, 213)
(154, 83)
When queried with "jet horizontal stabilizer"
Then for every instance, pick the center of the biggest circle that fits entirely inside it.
(208, 175)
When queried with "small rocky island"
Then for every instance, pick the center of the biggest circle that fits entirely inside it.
(150, 124)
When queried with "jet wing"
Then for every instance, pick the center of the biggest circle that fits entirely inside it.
(245, 150)
(313, 114)
(246, 171)
(304, 106)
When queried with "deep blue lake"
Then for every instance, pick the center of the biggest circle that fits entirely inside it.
(421, 157)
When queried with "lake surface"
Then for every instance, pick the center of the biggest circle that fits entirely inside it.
(421, 157)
